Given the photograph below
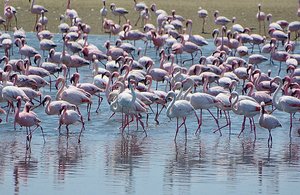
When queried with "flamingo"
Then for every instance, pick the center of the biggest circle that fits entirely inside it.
(128, 104)
(285, 103)
(73, 95)
(27, 119)
(55, 107)
(37, 10)
(43, 20)
(103, 12)
(118, 11)
(259, 96)
(9, 13)
(261, 16)
(268, 121)
(69, 117)
(10, 94)
(245, 107)
(24, 49)
(87, 87)
(202, 13)
(179, 109)
(71, 13)
(202, 101)
(220, 20)
(139, 7)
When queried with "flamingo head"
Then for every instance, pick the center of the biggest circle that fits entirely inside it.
(58, 81)
(112, 6)
(153, 7)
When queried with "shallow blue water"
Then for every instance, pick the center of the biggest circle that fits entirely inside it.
(105, 162)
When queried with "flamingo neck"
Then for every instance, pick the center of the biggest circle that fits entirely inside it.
(32, 4)
(250, 93)
(256, 81)
(188, 91)
(47, 108)
(233, 107)
(170, 106)
(108, 86)
(132, 93)
(149, 85)
(276, 102)
(205, 85)
(61, 89)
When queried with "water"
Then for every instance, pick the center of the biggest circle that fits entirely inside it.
(108, 163)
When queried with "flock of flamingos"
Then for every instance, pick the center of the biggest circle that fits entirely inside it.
(228, 80)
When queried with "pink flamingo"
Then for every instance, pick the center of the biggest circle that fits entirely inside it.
(202, 101)
(73, 95)
(27, 119)
(280, 56)
(202, 13)
(24, 49)
(220, 20)
(10, 94)
(9, 13)
(88, 87)
(69, 117)
(55, 107)
(261, 16)
(127, 103)
(71, 13)
(118, 11)
(268, 121)
(37, 10)
(259, 96)
(285, 103)
(103, 12)
(179, 109)
(245, 107)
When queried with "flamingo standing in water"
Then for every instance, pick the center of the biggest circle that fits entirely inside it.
(27, 119)
(73, 95)
(268, 121)
(245, 107)
(55, 107)
(179, 109)
(69, 117)
(285, 103)
(37, 10)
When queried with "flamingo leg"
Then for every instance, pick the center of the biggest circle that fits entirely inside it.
(254, 128)
(67, 127)
(10, 105)
(80, 133)
(203, 23)
(270, 139)
(243, 127)
(279, 69)
(199, 123)
(137, 20)
(227, 124)
(99, 102)
(176, 129)
(291, 124)
(217, 122)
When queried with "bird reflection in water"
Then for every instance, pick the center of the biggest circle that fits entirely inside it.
(123, 157)
(23, 169)
(69, 154)
(180, 167)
